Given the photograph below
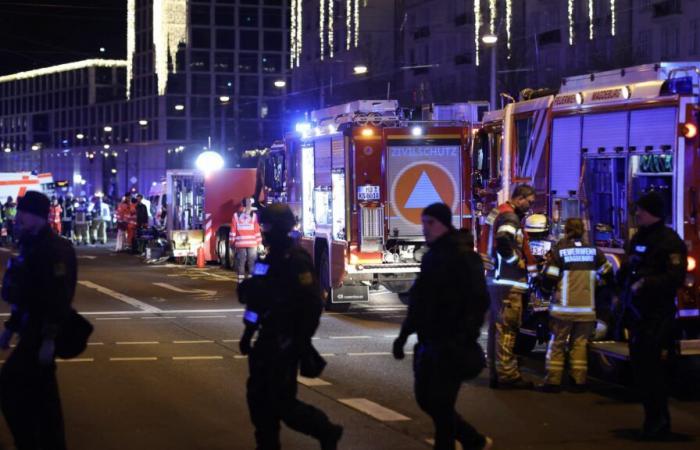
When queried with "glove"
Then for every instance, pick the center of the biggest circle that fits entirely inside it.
(46, 352)
(399, 342)
(5, 339)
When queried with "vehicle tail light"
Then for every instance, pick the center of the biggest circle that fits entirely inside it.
(691, 264)
(689, 130)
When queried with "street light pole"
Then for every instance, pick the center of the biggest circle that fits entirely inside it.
(491, 40)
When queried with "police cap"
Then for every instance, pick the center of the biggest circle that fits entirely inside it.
(278, 217)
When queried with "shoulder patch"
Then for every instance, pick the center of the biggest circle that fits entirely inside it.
(306, 278)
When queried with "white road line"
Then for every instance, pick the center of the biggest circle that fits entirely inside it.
(310, 382)
(230, 340)
(370, 354)
(205, 317)
(135, 358)
(113, 318)
(240, 356)
(6, 250)
(195, 358)
(75, 360)
(325, 355)
(391, 336)
(137, 342)
(194, 342)
(372, 409)
(186, 291)
(350, 337)
(121, 297)
(165, 311)
(158, 317)
(96, 343)
(86, 257)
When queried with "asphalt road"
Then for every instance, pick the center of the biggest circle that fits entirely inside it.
(163, 371)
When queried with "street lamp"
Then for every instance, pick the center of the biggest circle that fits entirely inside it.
(143, 122)
(179, 107)
(491, 40)
(360, 69)
(280, 83)
(224, 100)
(108, 129)
(209, 161)
(80, 136)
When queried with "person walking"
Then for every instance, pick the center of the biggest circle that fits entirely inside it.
(245, 238)
(653, 271)
(570, 276)
(39, 285)
(448, 303)
(504, 244)
(283, 306)
(55, 213)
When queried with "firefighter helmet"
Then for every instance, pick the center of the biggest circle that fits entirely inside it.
(278, 217)
(537, 224)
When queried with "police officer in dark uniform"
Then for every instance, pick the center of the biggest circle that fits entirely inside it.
(39, 285)
(284, 307)
(448, 303)
(654, 270)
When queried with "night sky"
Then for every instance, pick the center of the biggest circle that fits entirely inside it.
(40, 33)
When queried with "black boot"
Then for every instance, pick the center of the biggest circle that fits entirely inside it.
(332, 437)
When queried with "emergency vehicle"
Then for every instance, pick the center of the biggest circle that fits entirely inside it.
(16, 184)
(595, 146)
(358, 176)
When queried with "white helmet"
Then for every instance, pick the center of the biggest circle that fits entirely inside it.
(537, 223)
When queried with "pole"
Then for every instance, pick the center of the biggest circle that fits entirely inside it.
(223, 128)
(492, 99)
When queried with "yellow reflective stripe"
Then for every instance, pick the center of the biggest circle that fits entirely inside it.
(507, 228)
(506, 282)
(553, 271)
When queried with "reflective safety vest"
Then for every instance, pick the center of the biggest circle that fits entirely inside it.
(245, 230)
(575, 269)
(55, 214)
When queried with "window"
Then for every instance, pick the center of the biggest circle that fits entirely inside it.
(248, 62)
(249, 40)
(224, 62)
(199, 61)
(201, 38)
(272, 18)
(177, 83)
(226, 39)
(200, 106)
(249, 85)
(269, 88)
(201, 129)
(248, 17)
(272, 63)
(225, 17)
(201, 84)
(272, 40)
(199, 15)
(523, 130)
(177, 130)
(643, 49)
(249, 108)
(694, 44)
(225, 84)
(670, 42)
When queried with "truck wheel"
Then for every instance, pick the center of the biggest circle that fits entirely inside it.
(222, 252)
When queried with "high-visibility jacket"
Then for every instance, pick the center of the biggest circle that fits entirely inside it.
(575, 268)
(131, 215)
(55, 212)
(123, 212)
(245, 230)
(505, 249)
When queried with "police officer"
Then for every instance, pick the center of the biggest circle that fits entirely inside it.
(284, 306)
(39, 285)
(571, 271)
(504, 244)
(654, 270)
(448, 303)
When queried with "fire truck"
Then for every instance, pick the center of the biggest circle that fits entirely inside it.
(591, 149)
(357, 176)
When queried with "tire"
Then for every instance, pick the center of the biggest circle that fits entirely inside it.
(222, 253)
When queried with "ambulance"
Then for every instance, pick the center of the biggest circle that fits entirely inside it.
(16, 184)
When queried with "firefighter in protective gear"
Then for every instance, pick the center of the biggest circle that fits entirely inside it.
(55, 212)
(82, 223)
(505, 245)
(573, 270)
(245, 238)
(654, 270)
(283, 306)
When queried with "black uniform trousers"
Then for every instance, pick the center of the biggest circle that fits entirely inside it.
(29, 399)
(272, 397)
(436, 388)
(648, 340)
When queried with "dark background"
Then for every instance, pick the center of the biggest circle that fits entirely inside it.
(41, 33)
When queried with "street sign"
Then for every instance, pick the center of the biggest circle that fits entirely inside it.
(419, 185)
(368, 193)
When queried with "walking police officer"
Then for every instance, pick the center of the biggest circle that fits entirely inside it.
(653, 272)
(448, 303)
(39, 285)
(284, 306)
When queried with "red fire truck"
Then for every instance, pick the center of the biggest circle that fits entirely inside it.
(595, 146)
(357, 176)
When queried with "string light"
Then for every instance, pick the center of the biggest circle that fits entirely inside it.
(63, 68)
(613, 18)
(330, 28)
(293, 34)
(570, 12)
(348, 24)
(169, 31)
(130, 44)
(492, 16)
(477, 29)
(590, 20)
(300, 28)
(357, 22)
(321, 26)
(509, 23)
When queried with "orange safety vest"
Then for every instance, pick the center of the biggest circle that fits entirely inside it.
(55, 214)
(245, 230)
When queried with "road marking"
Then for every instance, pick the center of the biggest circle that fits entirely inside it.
(370, 354)
(196, 358)
(311, 382)
(372, 409)
(391, 336)
(231, 340)
(135, 313)
(121, 297)
(75, 360)
(240, 356)
(137, 342)
(327, 354)
(96, 343)
(194, 342)
(135, 358)
(350, 337)
(205, 317)
(86, 257)
(158, 317)
(186, 291)
(113, 318)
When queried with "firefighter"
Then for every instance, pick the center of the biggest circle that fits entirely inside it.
(504, 245)
(82, 222)
(55, 212)
(570, 274)
(67, 216)
(448, 303)
(245, 238)
(653, 271)
(284, 306)
(39, 285)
